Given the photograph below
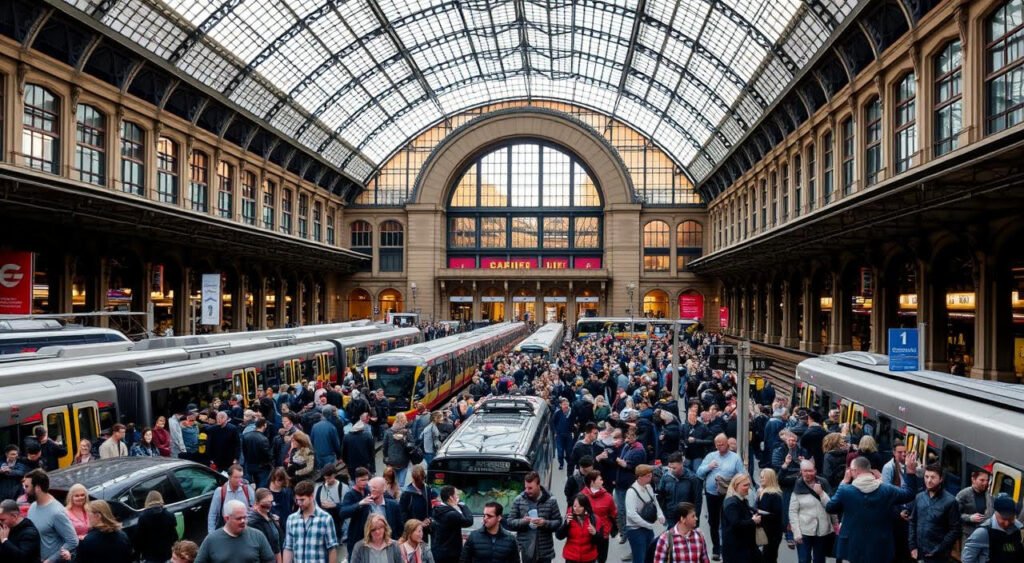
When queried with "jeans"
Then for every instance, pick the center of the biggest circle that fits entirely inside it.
(563, 450)
(427, 458)
(620, 505)
(639, 539)
(400, 474)
(258, 476)
(714, 506)
(812, 549)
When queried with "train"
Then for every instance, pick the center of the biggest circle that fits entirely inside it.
(544, 343)
(964, 425)
(625, 327)
(433, 372)
(19, 336)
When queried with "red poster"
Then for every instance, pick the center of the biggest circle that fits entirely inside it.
(691, 306)
(556, 263)
(462, 263)
(16, 283)
(581, 263)
(514, 263)
(723, 317)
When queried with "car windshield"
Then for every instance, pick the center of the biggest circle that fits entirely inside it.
(478, 490)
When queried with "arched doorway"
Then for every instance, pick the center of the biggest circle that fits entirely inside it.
(656, 304)
(360, 306)
(554, 305)
(460, 305)
(492, 303)
(390, 301)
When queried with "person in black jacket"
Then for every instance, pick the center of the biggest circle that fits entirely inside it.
(52, 451)
(449, 519)
(678, 485)
(262, 518)
(739, 544)
(358, 449)
(105, 542)
(813, 437)
(223, 444)
(575, 484)
(257, 454)
(695, 439)
(416, 498)
(11, 472)
(19, 538)
(156, 530)
(490, 543)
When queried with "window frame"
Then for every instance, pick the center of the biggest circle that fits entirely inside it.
(848, 154)
(695, 237)
(168, 173)
(268, 191)
(905, 130)
(199, 181)
(951, 80)
(225, 189)
(873, 141)
(33, 117)
(249, 197)
(828, 162)
(1012, 115)
(657, 240)
(133, 155)
(98, 146)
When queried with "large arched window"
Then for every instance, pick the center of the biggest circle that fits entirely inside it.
(199, 187)
(948, 98)
(873, 139)
(166, 171)
(1005, 71)
(525, 205)
(133, 158)
(40, 141)
(906, 123)
(689, 243)
(361, 240)
(392, 243)
(656, 246)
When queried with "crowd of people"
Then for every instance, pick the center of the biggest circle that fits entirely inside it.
(642, 468)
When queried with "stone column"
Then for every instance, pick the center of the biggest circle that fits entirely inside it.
(60, 275)
(299, 302)
(790, 316)
(771, 331)
(757, 312)
(183, 302)
(259, 303)
(96, 292)
(839, 339)
(993, 325)
(931, 310)
(239, 305)
(280, 303)
(313, 317)
(811, 341)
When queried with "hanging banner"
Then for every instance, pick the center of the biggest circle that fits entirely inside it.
(585, 263)
(210, 314)
(691, 306)
(554, 299)
(723, 317)
(587, 299)
(16, 283)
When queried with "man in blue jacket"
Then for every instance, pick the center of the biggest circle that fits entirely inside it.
(325, 439)
(866, 504)
(934, 520)
(561, 424)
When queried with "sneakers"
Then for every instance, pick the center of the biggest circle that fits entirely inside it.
(716, 557)
(627, 557)
(622, 539)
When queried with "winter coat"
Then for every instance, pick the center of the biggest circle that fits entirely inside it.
(447, 524)
(547, 508)
(789, 474)
(603, 504)
(415, 503)
(965, 501)
(256, 450)
(155, 532)
(395, 448)
(579, 543)
(359, 451)
(811, 442)
(673, 490)
(668, 440)
(482, 547)
(361, 553)
(865, 505)
(807, 516)
(834, 468)
(301, 464)
(634, 455)
(739, 544)
(771, 522)
(326, 443)
(702, 443)
(162, 441)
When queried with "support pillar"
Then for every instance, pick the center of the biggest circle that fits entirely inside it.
(771, 331)
(993, 324)
(811, 341)
(885, 305)
(299, 303)
(183, 302)
(60, 275)
(790, 316)
(735, 312)
(931, 309)
(281, 303)
(96, 292)
(239, 305)
(757, 313)
(259, 303)
(839, 339)
(314, 303)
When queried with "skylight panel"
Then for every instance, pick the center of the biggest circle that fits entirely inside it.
(652, 37)
(332, 32)
(145, 26)
(360, 168)
(292, 61)
(336, 153)
(675, 50)
(251, 20)
(208, 66)
(314, 136)
(644, 63)
(773, 79)
(359, 17)
(805, 39)
(84, 5)
(748, 108)
(716, 149)
(287, 120)
(658, 97)
(731, 129)
(690, 17)
(304, 7)
(195, 12)
(699, 168)
(661, 10)
(254, 97)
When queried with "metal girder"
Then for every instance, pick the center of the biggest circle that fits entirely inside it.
(223, 129)
(404, 53)
(198, 108)
(824, 15)
(756, 34)
(87, 51)
(268, 150)
(103, 8)
(826, 89)
(875, 49)
(129, 77)
(633, 37)
(288, 159)
(843, 62)
(524, 42)
(33, 30)
(165, 96)
(202, 29)
(298, 27)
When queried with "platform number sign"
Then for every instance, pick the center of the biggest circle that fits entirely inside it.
(903, 349)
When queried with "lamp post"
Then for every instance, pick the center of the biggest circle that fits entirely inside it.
(630, 289)
(412, 286)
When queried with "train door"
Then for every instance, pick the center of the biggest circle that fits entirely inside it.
(807, 396)
(297, 373)
(58, 429)
(243, 382)
(1006, 479)
(87, 422)
(917, 442)
(845, 408)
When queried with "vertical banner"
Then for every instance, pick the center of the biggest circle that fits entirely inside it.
(691, 306)
(723, 317)
(210, 314)
(16, 273)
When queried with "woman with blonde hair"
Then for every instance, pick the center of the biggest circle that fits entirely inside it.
(105, 542)
(301, 461)
(770, 507)
(84, 454)
(601, 409)
(867, 447)
(376, 544)
(156, 530)
(739, 542)
(411, 543)
(393, 489)
(431, 436)
(75, 505)
(833, 468)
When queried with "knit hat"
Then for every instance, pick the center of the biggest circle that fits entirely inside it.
(1005, 507)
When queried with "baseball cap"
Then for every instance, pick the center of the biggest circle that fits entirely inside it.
(1005, 506)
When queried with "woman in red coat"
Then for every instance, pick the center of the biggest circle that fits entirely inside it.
(581, 529)
(603, 505)
(162, 437)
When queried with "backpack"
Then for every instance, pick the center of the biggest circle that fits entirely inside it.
(223, 499)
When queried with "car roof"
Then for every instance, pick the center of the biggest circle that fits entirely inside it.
(109, 473)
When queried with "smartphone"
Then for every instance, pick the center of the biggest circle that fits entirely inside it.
(533, 513)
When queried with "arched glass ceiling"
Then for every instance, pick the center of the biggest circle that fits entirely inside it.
(356, 79)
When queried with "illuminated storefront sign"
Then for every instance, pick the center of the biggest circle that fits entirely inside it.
(524, 263)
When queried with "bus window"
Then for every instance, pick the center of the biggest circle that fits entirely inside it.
(1006, 480)
(87, 417)
(952, 475)
(56, 421)
(421, 385)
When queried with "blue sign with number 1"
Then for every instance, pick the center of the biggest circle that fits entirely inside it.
(903, 349)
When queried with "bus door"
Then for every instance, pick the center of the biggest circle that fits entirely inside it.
(87, 422)
(58, 428)
(917, 441)
(1006, 479)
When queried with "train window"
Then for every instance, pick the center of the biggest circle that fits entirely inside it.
(870, 427)
(1006, 480)
(952, 462)
(108, 417)
(56, 427)
(884, 434)
(917, 441)
(844, 411)
(421, 385)
(88, 423)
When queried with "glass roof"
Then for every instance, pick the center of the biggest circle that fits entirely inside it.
(355, 80)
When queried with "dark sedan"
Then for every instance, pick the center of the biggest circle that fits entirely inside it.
(124, 483)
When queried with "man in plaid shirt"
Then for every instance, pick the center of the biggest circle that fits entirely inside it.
(682, 543)
(309, 533)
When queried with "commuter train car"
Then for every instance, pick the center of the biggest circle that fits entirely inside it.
(544, 343)
(17, 337)
(625, 327)
(356, 350)
(73, 409)
(300, 334)
(145, 392)
(962, 424)
(434, 371)
(488, 455)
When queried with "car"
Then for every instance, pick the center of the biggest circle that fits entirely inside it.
(124, 482)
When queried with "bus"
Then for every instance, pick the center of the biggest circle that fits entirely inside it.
(435, 371)
(963, 425)
(488, 455)
(20, 336)
(544, 343)
(74, 409)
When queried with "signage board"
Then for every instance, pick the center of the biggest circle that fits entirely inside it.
(210, 314)
(903, 349)
(723, 317)
(554, 299)
(16, 271)
(587, 299)
(461, 298)
(523, 299)
(492, 299)
(691, 306)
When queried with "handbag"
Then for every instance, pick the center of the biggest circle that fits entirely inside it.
(722, 485)
(648, 510)
(760, 536)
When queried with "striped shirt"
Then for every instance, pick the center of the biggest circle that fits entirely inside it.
(310, 539)
(689, 548)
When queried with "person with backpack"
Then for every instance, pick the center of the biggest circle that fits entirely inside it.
(235, 489)
(683, 542)
(642, 512)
